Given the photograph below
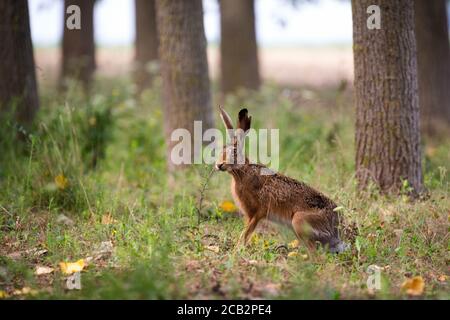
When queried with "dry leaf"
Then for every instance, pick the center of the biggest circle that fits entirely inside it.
(40, 270)
(215, 249)
(294, 244)
(292, 254)
(24, 291)
(108, 219)
(35, 252)
(228, 206)
(61, 181)
(442, 278)
(3, 294)
(414, 286)
(72, 267)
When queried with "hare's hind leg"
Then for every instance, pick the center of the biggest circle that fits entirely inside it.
(302, 229)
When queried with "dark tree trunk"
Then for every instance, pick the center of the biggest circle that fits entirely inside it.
(146, 42)
(18, 88)
(238, 47)
(387, 102)
(184, 67)
(433, 59)
(78, 47)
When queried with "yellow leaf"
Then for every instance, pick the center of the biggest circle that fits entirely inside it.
(442, 278)
(61, 181)
(72, 267)
(3, 294)
(228, 206)
(414, 286)
(292, 254)
(294, 244)
(108, 219)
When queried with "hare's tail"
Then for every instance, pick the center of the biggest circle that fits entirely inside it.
(338, 246)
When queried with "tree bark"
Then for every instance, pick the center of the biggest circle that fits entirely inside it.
(433, 58)
(184, 68)
(387, 103)
(18, 87)
(238, 47)
(146, 42)
(78, 46)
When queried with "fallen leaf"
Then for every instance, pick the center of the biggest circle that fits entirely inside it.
(228, 206)
(25, 291)
(61, 181)
(40, 270)
(3, 294)
(292, 254)
(414, 286)
(108, 219)
(35, 252)
(72, 267)
(215, 249)
(294, 244)
(442, 278)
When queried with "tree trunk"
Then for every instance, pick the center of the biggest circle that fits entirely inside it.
(387, 103)
(146, 42)
(184, 68)
(78, 47)
(433, 59)
(18, 88)
(238, 47)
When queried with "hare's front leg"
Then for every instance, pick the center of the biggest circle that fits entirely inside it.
(302, 229)
(251, 226)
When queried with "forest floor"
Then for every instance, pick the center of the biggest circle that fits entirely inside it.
(135, 234)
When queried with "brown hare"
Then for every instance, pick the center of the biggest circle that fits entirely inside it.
(274, 196)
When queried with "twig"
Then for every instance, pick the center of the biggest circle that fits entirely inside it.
(202, 195)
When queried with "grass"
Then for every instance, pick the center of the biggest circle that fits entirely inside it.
(111, 151)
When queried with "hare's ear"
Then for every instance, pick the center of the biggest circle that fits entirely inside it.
(244, 123)
(227, 122)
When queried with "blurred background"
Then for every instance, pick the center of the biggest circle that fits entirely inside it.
(300, 42)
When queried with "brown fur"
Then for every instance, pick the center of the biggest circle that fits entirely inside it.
(279, 198)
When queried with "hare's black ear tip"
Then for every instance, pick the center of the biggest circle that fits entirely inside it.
(243, 112)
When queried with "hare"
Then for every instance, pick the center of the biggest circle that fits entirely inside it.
(274, 196)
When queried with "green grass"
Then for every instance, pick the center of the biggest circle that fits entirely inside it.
(111, 150)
